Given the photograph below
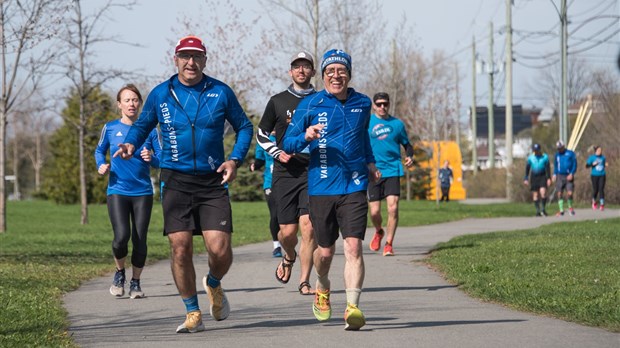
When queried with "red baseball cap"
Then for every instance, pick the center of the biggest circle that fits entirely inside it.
(190, 43)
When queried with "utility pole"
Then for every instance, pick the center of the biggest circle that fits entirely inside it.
(457, 106)
(474, 122)
(563, 87)
(491, 113)
(509, 100)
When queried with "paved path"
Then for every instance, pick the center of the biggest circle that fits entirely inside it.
(406, 304)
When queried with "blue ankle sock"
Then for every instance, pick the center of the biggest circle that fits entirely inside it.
(212, 281)
(191, 304)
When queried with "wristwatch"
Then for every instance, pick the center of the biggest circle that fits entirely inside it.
(237, 162)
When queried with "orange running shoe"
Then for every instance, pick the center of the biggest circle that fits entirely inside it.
(375, 243)
(387, 250)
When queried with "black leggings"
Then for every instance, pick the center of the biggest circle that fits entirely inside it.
(121, 210)
(274, 226)
(598, 186)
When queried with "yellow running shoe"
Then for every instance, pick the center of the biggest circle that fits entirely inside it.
(193, 323)
(219, 307)
(353, 318)
(321, 307)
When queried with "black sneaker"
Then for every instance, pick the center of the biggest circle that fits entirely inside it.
(118, 284)
(134, 289)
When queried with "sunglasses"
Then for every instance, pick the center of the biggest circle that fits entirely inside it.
(380, 105)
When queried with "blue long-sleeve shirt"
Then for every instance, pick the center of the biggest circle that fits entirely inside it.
(565, 163)
(192, 122)
(130, 177)
(339, 158)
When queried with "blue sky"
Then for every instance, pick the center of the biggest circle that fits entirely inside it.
(447, 25)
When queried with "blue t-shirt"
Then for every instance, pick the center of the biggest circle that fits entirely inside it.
(386, 137)
(130, 177)
(599, 168)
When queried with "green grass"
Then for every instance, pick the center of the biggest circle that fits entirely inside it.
(566, 270)
(46, 253)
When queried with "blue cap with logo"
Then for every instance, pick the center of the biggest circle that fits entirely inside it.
(334, 56)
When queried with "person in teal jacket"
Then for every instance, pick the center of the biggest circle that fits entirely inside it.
(597, 162)
(538, 176)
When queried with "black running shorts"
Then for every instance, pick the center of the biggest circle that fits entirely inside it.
(195, 203)
(537, 182)
(291, 195)
(385, 187)
(347, 213)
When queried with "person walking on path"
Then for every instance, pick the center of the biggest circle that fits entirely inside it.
(445, 181)
(564, 168)
(262, 159)
(597, 162)
(538, 176)
(334, 124)
(129, 192)
(290, 173)
(192, 109)
(387, 134)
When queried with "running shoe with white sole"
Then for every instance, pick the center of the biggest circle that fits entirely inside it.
(135, 291)
(219, 308)
(387, 250)
(353, 318)
(193, 323)
(118, 284)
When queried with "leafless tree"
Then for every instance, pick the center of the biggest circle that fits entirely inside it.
(320, 25)
(24, 25)
(82, 33)
(32, 122)
(578, 82)
(232, 55)
(604, 126)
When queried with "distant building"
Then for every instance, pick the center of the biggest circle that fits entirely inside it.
(522, 119)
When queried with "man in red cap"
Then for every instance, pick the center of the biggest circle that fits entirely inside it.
(192, 109)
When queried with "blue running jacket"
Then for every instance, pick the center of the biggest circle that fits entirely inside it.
(339, 158)
(192, 121)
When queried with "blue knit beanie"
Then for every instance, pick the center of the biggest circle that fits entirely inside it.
(336, 56)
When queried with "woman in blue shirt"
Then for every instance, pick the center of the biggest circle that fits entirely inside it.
(130, 192)
(597, 162)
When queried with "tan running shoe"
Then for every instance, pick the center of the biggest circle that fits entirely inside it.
(192, 323)
(219, 307)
